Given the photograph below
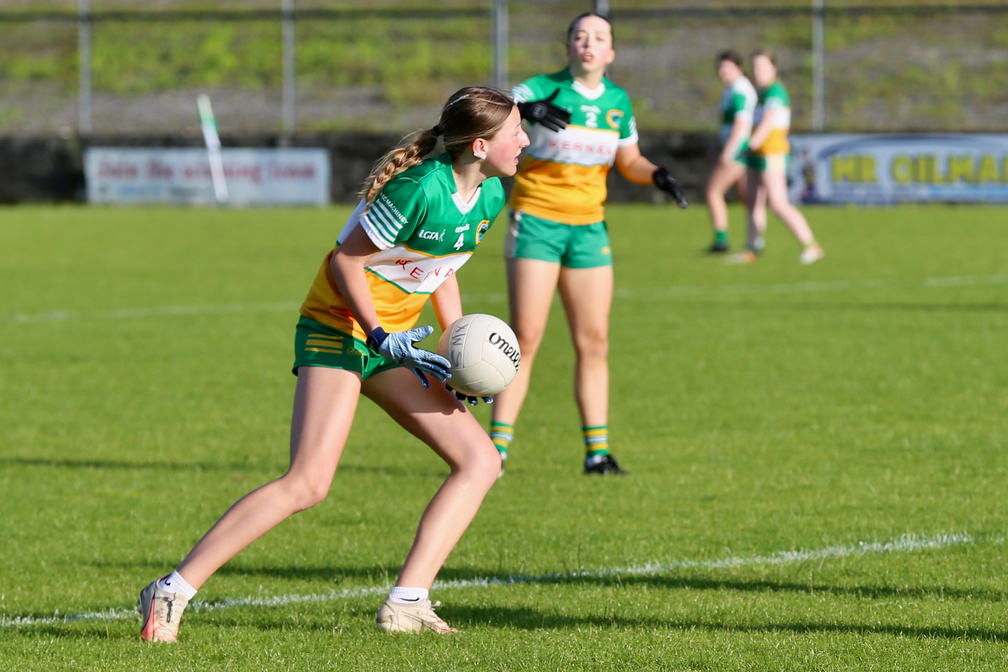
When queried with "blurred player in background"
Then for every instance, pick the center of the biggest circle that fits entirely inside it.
(767, 161)
(737, 105)
(392, 255)
(580, 124)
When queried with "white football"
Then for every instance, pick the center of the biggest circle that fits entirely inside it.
(484, 354)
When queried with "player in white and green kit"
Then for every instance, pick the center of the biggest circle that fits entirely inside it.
(580, 124)
(767, 161)
(738, 102)
(419, 220)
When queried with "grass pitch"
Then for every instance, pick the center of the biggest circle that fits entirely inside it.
(817, 454)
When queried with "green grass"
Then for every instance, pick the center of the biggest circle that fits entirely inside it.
(817, 455)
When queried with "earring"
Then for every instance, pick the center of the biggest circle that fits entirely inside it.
(479, 154)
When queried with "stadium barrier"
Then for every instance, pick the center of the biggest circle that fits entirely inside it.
(52, 169)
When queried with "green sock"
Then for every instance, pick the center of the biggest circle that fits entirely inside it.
(721, 237)
(502, 435)
(596, 440)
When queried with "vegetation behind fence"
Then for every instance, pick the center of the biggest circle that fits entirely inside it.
(387, 66)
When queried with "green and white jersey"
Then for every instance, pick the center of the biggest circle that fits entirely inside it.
(424, 232)
(563, 174)
(737, 101)
(774, 99)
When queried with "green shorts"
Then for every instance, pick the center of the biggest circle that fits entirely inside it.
(317, 344)
(771, 163)
(742, 155)
(570, 245)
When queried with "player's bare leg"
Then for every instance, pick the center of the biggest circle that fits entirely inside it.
(325, 401)
(531, 285)
(775, 183)
(324, 404)
(444, 423)
(722, 178)
(587, 295)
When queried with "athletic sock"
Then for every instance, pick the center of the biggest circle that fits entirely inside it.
(596, 441)
(174, 583)
(721, 237)
(502, 435)
(405, 595)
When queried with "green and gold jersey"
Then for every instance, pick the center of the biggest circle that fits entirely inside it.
(737, 102)
(563, 174)
(774, 98)
(424, 233)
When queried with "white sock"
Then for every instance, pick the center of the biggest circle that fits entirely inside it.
(176, 584)
(404, 595)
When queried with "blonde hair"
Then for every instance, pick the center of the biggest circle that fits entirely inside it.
(470, 113)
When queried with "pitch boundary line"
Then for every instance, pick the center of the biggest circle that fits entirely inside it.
(908, 543)
(674, 290)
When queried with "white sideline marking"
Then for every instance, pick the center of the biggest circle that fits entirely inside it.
(908, 543)
(813, 286)
(142, 313)
(673, 290)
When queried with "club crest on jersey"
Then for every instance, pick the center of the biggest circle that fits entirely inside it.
(613, 118)
(481, 230)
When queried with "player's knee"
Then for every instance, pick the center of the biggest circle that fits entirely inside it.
(714, 193)
(483, 464)
(529, 340)
(488, 466)
(593, 344)
(308, 491)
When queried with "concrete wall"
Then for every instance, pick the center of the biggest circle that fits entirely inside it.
(50, 169)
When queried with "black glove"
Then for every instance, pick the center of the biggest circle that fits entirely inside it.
(472, 401)
(668, 184)
(545, 112)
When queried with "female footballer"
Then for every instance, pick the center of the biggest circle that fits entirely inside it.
(356, 336)
(580, 125)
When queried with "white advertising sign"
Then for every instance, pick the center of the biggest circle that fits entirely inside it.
(255, 177)
(877, 169)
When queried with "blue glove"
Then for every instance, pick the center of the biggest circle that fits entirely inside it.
(669, 185)
(398, 346)
(472, 401)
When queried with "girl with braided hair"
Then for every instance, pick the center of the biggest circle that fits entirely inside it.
(419, 219)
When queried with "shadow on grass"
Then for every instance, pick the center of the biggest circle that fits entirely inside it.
(346, 578)
(485, 620)
(762, 586)
(356, 611)
(887, 307)
(528, 619)
(81, 463)
(269, 469)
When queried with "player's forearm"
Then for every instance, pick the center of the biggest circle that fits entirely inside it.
(348, 273)
(640, 170)
(447, 301)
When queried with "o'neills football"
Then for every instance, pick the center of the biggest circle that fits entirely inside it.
(484, 354)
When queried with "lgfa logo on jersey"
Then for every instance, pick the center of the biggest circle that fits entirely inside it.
(613, 118)
(432, 235)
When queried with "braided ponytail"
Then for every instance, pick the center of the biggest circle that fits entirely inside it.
(470, 113)
(408, 154)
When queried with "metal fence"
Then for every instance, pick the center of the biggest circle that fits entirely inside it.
(279, 67)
